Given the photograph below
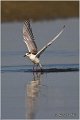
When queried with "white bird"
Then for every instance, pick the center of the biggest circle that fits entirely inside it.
(33, 53)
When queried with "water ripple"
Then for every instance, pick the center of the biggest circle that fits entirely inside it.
(46, 68)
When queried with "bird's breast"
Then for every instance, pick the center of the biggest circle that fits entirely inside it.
(34, 59)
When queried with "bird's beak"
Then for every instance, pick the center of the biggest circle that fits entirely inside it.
(24, 55)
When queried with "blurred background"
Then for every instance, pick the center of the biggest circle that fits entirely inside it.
(38, 10)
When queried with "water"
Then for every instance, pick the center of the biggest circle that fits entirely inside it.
(40, 96)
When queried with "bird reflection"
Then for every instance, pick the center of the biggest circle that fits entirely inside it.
(32, 93)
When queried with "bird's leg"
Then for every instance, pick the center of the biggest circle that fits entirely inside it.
(33, 67)
(33, 70)
(37, 67)
(40, 66)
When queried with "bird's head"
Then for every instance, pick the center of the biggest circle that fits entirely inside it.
(27, 54)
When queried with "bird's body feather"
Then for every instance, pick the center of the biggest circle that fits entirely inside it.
(34, 59)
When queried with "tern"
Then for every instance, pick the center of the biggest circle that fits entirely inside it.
(33, 54)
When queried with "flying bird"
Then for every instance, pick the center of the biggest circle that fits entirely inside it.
(33, 54)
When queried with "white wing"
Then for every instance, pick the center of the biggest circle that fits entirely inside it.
(48, 44)
(29, 38)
